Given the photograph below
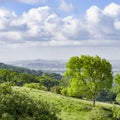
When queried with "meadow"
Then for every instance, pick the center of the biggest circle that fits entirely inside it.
(68, 108)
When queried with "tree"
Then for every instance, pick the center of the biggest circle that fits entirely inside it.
(48, 81)
(88, 76)
(117, 87)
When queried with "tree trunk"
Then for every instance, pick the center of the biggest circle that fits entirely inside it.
(94, 99)
(93, 102)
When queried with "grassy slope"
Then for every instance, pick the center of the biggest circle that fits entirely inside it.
(69, 108)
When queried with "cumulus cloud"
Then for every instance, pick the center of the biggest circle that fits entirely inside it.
(6, 17)
(43, 27)
(101, 25)
(66, 7)
(74, 29)
(112, 10)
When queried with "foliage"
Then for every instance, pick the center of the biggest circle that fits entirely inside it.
(106, 96)
(88, 76)
(56, 89)
(20, 69)
(16, 77)
(116, 112)
(53, 75)
(117, 87)
(64, 91)
(35, 86)
(64, 82)
(16, 105)
(19, 79)
(48, 82)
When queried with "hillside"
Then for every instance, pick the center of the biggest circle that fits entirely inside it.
(70, 108)
(20, 69)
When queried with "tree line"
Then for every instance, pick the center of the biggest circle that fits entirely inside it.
(44, 81)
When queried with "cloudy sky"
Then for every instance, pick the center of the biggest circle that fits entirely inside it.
(59, 29)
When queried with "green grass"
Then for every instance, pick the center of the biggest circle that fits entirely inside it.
(70, 108)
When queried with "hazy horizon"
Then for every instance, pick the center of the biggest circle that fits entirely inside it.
(37, 59)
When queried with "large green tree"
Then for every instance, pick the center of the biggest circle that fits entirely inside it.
(88, 76)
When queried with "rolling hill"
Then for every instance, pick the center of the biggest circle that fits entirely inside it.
(20, 69)
(68, 108)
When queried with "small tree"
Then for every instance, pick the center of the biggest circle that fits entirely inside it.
(88, 76)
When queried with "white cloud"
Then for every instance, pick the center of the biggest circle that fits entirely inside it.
(101, 25)
(112, 10)
(94, 14)
(66, 7)
(11, 37)
(43, 27)
(6, 17)
(117, 24)
(74, 29)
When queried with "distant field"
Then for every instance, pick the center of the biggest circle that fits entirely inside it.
(70, 108)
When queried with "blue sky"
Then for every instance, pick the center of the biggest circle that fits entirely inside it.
(80, 6)
(59, 29)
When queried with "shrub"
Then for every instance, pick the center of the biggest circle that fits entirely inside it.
(64, 91)
(35, 86)
(56, 89)
(17, 105)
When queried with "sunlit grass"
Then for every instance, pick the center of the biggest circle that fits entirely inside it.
(68, 108)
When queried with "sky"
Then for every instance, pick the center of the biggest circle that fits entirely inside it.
(59, 29)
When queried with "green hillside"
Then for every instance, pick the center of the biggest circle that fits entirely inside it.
(20, 69)
(71, 108)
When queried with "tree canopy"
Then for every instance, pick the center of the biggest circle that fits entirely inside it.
(88, 76)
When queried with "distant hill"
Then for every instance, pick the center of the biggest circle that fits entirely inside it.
(56, 66)
(20, 69)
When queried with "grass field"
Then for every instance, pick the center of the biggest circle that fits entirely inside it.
(68, 108)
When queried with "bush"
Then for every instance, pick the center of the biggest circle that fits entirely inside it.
(17, 105)
(56, 89)
(35, 86)
(64, 91)
(106, 96)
